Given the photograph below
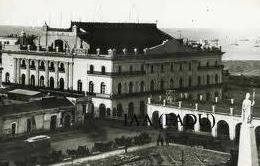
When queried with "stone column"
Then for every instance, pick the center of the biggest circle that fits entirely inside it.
(18, 71)
(71, 76)
(15, 70)
(197, 125)
(164, 121)
(56, 66)
(46, 80)
(232, 131)
(37, 73)
(66, 84)
(27, 80)
(214, 131)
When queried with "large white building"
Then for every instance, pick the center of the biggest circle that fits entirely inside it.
(118, 65)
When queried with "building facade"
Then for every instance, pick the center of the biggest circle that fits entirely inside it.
(118, 65)
(48, 113)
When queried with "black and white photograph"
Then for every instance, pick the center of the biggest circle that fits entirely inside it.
(129, 82)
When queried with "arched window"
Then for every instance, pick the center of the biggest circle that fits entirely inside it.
(171, 84)
(216, 63)
(207, 64)
(190, 81)
(162, 84)
(91, 87)
(91, 69)
(130, 109)
(119, 69)
(103, 70)
(162, 68)
(180, 67)
(189, 66)
(51, 66)
(61, 67)
(42, 67)
(131, 86)
(119, 110)
(142, 86)
(119, 88)
(199, 64)
(216, 78)
(23, 79)
(199, 80)
(208, 79)
(32, 65)
(7, 77)
(79, 85)
(180, 83)
(171, 66)
(23, 63)
(152, 86)
(151, 68)
(102, 88)
(142, 67)
(130, 68)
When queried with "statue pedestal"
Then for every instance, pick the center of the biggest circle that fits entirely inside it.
(247, 155)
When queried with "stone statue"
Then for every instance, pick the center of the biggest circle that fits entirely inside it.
(246, 109)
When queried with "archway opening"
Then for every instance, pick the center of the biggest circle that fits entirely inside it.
(205, 125)
(171, 121)
(222, 130)
(155, 119)
(23, 79)
(52, 83)
(237, 136)
(102, 111)
(53, 123)
(188, 123)
(142, 109)
(67, 121)
(61, 84)
(257, 137)
(29, 125)
(32, 83)
(7, 77)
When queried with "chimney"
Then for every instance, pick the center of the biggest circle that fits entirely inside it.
(213, 108)
(124, 51)
(98, 51)
(164, 102)
(110, 52)
(145, 51)
(136, 51)
(149, 100)
(196, 106)
(231, 110)
(179, 104)
(232, 101)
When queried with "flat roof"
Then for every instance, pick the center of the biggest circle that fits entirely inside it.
(24, 92)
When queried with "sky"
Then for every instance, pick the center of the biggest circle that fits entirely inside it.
(234, 14)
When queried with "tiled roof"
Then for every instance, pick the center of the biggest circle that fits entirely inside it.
(34, 106)
(120, 35)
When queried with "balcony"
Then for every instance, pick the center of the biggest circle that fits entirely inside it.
(113, 74)
(211, 67)
(62, 70)
(51, 69)
(23, 66)
(32, 67)
(41, 68)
